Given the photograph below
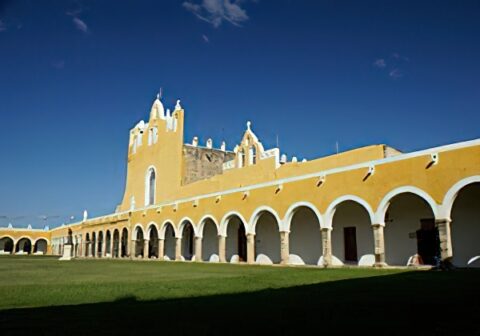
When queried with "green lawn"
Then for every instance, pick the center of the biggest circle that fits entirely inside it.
(45, 295)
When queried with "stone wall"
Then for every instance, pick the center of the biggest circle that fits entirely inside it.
(200, 162)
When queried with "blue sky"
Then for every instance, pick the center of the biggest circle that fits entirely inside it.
(75, 76)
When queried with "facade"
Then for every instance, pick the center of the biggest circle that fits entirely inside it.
(369, 206)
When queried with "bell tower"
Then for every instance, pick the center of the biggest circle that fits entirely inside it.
(154, 165)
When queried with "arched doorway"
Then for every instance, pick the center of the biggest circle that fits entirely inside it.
(236, 240)
(116, 241)
(188, 236)
(465, 226)
(100, 244)
(124, 247)
(87, 245)
(6, 245)
(41, 246)
(209, 240)
(108, 241)
(153, 242)
(24, 246)
(267, 239)
(305, 237)
(169, 242)
(94, 244)
(139, 241)
(352, 234)
(410, 230)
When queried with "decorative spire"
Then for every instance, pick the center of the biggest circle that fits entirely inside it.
(249, 123)
(157, 110)
(178, 106)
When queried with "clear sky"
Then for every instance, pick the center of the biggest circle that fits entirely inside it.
(75, 76)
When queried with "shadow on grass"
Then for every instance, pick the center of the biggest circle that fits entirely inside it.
(440, 303)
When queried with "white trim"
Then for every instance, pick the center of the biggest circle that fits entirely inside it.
(287, 220)
(385, 202)
(400, 157)
(452, 193)
(183, 222)
(258, 213)
(163, 227)
(201, 225)
(134, 234)
(147, 185)
(149, 228)
(8, 236)
(353, 198)
(226, 218)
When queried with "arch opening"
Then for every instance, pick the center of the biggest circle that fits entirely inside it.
(209, 241)
(236, 240)
(23, 246)
(100, 244)
(169, 243)
(87, 244)
(153, 242)
(188, 235)
(267, 239)
(40, 247)
(139, 242)
(465, 226)
(116, 240)
(6, 245)
(93, 244)
(150, 187)
(124, 243)
(352, 234)
(305, 237)
(410, 232)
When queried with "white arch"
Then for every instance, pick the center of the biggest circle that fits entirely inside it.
(256, 215)
(149, 228)
(150, 169)
(452, 193)
(26, 237)
(134, 234)
(163, 227)
(226, 219)
(40, 238)
(294, 207)
(8, 236)
(202, 222)
(183, 223)
(379, 217)
(333, 207)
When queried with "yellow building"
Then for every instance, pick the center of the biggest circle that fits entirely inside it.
(368, 206)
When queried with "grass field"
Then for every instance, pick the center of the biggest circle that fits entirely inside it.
(45, 296)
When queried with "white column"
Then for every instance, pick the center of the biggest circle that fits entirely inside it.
(222, 249)
(284, 247)
(379, 241)
(327, 246)
(198, 249)
(251, 248)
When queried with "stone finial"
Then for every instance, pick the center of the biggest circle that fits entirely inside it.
(209, 143)
(304, 160)
(223, 146)
(283, 159)
(29, 227)
(294, 159)
(178, 106)
(168, 113)
(10, 226)
(249, 124)
(85, 215)
(236, 149)
(195, 141)
(46, 228)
